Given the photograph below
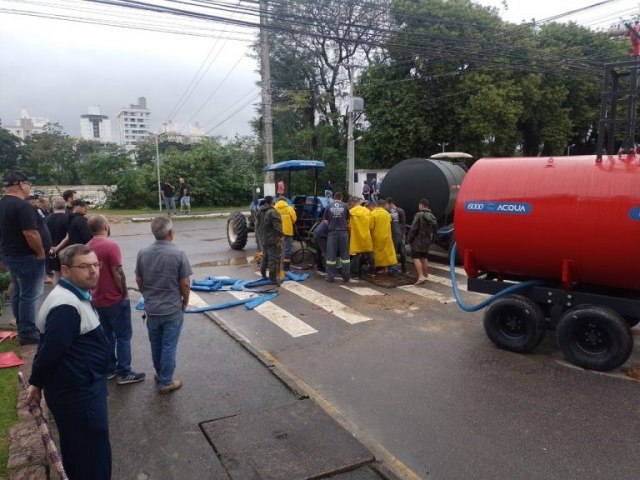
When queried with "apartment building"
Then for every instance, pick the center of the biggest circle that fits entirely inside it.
(27, 125)
(94, 126)
(134, 124)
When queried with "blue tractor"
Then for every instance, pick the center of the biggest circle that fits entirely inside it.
(308, 207)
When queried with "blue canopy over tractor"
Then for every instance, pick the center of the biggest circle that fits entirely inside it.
(291, 165)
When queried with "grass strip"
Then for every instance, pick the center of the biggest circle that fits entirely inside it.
(8, 399)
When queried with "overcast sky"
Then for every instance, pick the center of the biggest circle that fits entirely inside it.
(56, 68)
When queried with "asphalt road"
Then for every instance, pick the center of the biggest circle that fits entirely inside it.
(415, 378)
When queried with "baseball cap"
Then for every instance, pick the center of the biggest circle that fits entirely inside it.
(81, 203)
(14, 177)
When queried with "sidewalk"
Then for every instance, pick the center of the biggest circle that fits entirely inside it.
(182, 435)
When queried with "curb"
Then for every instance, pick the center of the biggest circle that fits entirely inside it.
(188, 217)
(381, 465)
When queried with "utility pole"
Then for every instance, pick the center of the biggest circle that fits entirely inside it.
(267, 114)
(351, 149)
(158, 174)
(443, 145)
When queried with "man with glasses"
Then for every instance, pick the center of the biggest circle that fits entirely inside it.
(162, 275)
(23, 252)
(71, 367)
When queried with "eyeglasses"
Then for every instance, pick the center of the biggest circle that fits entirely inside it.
(86, 266)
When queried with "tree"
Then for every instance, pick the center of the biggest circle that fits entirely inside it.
(51, 157)
(9, 149)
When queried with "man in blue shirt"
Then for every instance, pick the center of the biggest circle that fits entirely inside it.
(71, 367)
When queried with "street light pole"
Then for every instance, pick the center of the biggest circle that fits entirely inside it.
(158, 173)
(443, 145)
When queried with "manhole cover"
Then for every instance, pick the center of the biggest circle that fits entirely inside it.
(290, 442)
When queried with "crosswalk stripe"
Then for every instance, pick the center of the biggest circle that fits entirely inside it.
(336, 308)
(280, 317)
(276, 315)
(430, 294)
(362, 291)
(446, 281)
(459, 271)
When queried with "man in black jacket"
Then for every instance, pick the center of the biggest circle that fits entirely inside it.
(78, 229)
(71, 367)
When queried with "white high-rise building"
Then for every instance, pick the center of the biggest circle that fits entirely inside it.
(27, 125)
(95, 126)
(134, 124)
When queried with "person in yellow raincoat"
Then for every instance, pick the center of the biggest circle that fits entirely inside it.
(360, 242)
(289, 218)
(383, 250)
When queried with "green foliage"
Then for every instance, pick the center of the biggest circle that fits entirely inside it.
(454, 72)
(105, 167)
(50, 157)
(9, 150)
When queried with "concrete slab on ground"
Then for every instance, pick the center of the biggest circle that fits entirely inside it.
(294, 441)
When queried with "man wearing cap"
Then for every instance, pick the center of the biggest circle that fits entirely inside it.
(23, 252)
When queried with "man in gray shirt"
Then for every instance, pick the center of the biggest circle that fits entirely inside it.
(162, 275)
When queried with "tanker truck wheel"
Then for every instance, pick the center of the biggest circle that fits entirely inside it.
(237, 230)
(593, 337)
(515, 323)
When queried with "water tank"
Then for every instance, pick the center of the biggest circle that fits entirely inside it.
(571, 219)
(436, 180)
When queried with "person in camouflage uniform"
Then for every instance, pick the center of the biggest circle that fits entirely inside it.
(269, 232)
(420, 238)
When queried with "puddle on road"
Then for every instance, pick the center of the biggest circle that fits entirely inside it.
(226, 262)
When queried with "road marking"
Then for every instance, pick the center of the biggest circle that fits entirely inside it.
(276, 315)
(363, 291)
(445, 268)
(446, 282)
(196, 300)
(280, 317)
(430, 294)
(332, 306)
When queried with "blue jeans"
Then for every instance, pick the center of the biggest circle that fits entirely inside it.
(288, 244)
(164, 332)
(27, 276)
(116, 323)
(170, 203)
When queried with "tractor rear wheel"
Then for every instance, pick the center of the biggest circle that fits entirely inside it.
(237, 230)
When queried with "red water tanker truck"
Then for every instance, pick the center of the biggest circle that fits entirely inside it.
(555, 239)
(569, 226)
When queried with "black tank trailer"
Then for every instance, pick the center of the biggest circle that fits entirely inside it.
(434, 179)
